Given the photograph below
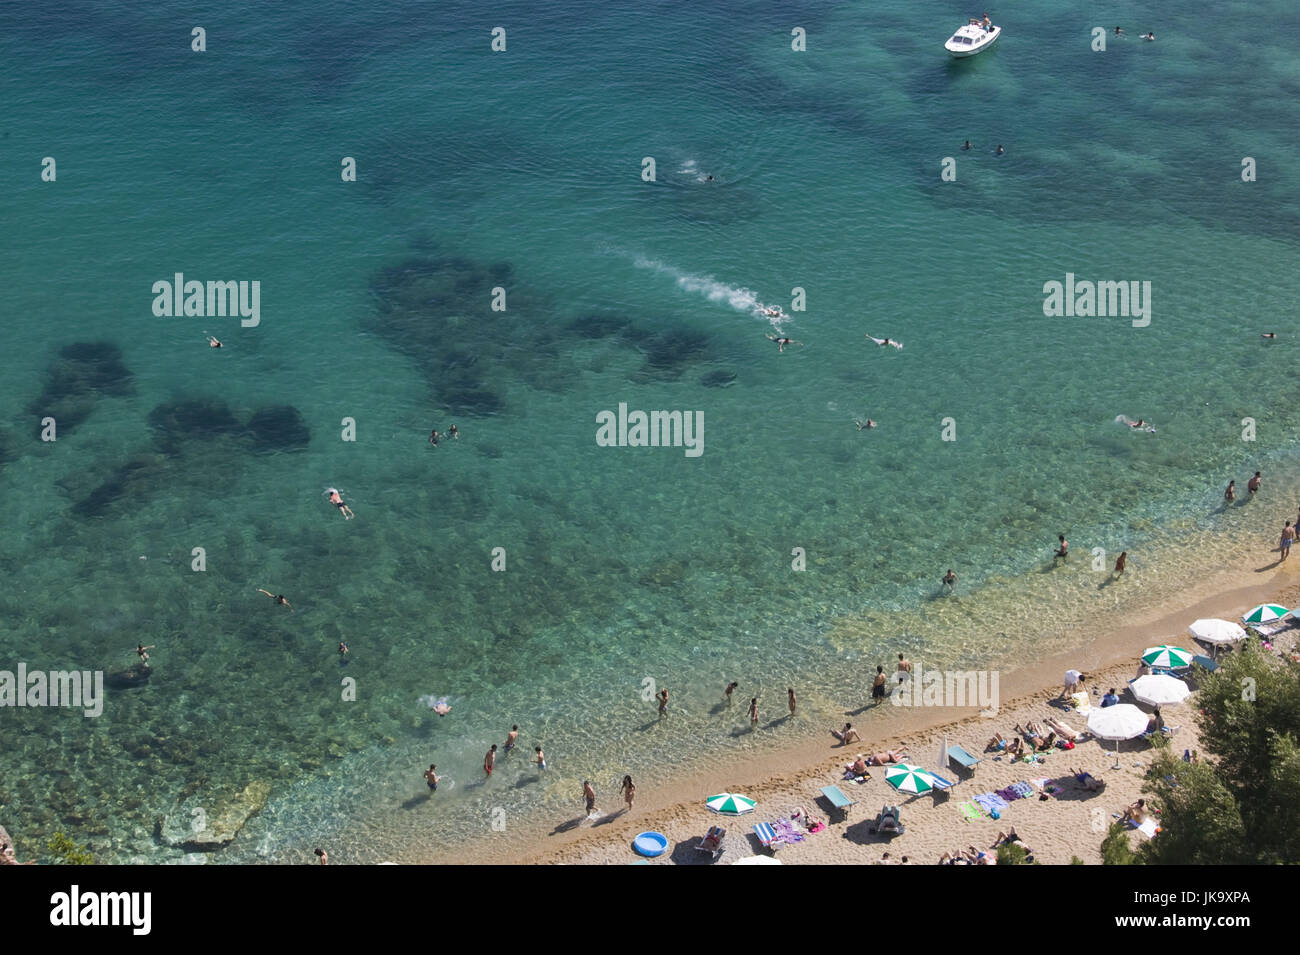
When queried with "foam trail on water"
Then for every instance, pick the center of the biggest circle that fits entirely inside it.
(738, 297)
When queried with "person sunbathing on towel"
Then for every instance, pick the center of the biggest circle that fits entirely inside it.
(1047, 743)
(1016, 747)
(997, 741)
(1136, 813)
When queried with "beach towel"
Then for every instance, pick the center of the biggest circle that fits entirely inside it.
(1081, 701)
(786, 831)
(1148, 829)
(971, 812)
(991, 802)
(1022, 789)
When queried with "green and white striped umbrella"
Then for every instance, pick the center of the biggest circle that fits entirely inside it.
(907, 778)
(1264, 613)
(730, 804)
(1167, 657)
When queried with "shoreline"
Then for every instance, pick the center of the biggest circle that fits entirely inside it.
(786, 771)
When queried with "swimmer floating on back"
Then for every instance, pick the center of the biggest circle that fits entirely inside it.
(337, 501)
(782, 342)
(212, 342)
(1269, 335)
(862, 425)
(885, 341)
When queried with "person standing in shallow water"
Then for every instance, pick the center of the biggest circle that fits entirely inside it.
(1288, 538)
(663, 702)
(726, 694)
(790, 696)
(753, 713)
(878, 687)
(432, 778)
(1120, 563)
(629, 792)
(490, 760)
(1230, 494)
(1253, 484)
(949, 580)
(1063, 550)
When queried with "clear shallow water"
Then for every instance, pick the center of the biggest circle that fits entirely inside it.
(523, 170)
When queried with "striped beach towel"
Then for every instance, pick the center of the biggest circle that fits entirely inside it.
(971, 812)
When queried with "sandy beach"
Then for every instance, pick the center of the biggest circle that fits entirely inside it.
(1069, 823)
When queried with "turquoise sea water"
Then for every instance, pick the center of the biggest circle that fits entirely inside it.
(522, 169)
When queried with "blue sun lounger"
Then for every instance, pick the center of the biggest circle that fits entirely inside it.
(837, 799)
(962, 758)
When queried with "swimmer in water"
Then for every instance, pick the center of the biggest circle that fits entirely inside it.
(1119, 32)
(1269, 335)
(343, 650)
(782, 342)
(1000, 150)
(967, 145)
(1139, 423)
(773, 311)
(433, 438)
(338, 502)
(885, 341)
(1148, 36)
(278, 598)
(212, 342)
(863, 425)
(708, 179)
(454, 432)
(143, 652)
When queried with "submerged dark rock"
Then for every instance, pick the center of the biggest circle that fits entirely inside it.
(82, 373)
(123, 480)
(191, 419)
(718, 379)
(278, 428)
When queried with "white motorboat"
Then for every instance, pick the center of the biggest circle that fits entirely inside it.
(973, 38)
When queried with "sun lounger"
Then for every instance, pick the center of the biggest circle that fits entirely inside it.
(962, 758)
(837, 799)
(712, 841)
(888, 821)
(767, 836)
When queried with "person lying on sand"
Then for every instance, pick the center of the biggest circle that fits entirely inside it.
(997, 742)
(1030, 730)
(1016, 747)
(1047, 742)
(1061, 729)
(1087, 780)
(858, 767)
(893, 756)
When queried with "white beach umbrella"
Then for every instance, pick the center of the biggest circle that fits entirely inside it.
(1159, 690)
(758, 860)
(1120, 722)
(1216, 631)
